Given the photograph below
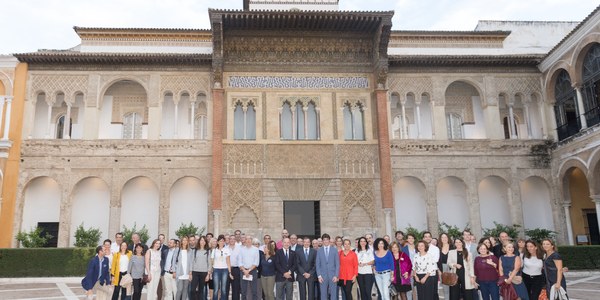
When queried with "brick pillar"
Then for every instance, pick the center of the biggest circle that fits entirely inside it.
(385, 161)
(217, 149)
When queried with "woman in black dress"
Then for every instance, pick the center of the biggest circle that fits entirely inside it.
(402, 271)
(553, 267)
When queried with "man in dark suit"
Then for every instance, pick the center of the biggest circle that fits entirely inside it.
(285, 266)
(307, 269)
(328, 269)
(97, 277)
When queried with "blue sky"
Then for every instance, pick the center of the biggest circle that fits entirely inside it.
(28, 25)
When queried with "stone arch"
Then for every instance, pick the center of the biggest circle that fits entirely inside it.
(244, 217)
(6, 84)
(410, 203)
(452, 202)
(188, 203)
(551, 80)
(577, 197)
(90, 206)
(494, 201)
(139, 203)
(594, 171)
(580, 52)
(571, 163)
(40, 116)
(536, 199)
(118, 99)
(42, 197)
(2, 87)
(464, 98)
(108, 84)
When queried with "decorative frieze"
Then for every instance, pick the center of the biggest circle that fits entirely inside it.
(298, 82)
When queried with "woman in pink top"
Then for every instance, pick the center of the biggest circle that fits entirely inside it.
(402, 271)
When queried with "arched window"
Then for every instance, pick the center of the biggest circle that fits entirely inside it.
(591, 85)
(132, 126)
(244, 121)
(60, 127)
(200, 131)
(565, 109)
(286, 122)
(353, 122)
(454, 125)
(299, 121)
(505, 123)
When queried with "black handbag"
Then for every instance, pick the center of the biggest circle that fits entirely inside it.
(392, 290)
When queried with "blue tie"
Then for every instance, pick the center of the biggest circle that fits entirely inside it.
(306, 254)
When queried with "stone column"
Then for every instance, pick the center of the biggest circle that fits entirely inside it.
(2, 98)
(580, 107)
(193, 119)
(217, 222)
(67, 123)
(528, 121)
(388, 221)
(49, 126)
(418, 106)
(542, 109)
(217, 151)
(385, 169)
(511, 121)
(404, 124)
(176, 129)
(566, 207)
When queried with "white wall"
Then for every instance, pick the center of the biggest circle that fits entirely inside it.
(40, 123)
(139, 204)
(42, 198)
(493, 202)
(452, 202)
(106, 130)
(91, 206)
(188, 203)
(477, 130)
(410, 204)
(77, 128)
(536, 201)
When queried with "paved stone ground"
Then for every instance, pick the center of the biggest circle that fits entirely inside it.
(580, 285)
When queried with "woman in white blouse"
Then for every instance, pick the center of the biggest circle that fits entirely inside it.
(424, 271)
(153, 269)
(184, 266)
(533, 263)
(221, 268)
(365, 268)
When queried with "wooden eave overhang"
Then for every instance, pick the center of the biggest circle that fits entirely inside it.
(99, 33)
(465, 60)
(70, 57)
(302, 20)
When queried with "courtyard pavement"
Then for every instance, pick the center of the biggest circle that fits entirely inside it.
(580, 285)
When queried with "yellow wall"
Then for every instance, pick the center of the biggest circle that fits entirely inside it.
(11, 175)
(2, 91)
(580, 199)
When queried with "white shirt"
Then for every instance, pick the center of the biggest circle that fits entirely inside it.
(185, 273)
(425, 264)
(532, 266)
(219, 257)
(234, 256)
(434, 253)
(123, 263)
(114, 247)
(365, 257)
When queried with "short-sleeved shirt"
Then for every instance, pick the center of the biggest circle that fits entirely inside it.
(219, 257)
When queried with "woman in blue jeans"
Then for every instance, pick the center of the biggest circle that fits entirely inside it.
(384, 266)
(486, 273)
(220, 269)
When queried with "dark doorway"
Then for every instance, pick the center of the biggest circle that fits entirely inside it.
(592, 221)
(302, 218)
(52, 229)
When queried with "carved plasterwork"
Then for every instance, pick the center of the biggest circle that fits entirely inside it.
(243, 159)
(299, 160)
(357, 159)
(301, 189)
(524, 85)
(193, 85)
(107, 81)
(358, 193)
(53, 84)
(416, 85)
(298, 82)
(299, 48)
(304, 100)
(244, 192)
(244, 101)
(354, 102)
(129, 104)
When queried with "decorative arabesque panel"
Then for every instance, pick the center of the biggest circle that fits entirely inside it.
(243, 159)
(244, 192)
(357, 192)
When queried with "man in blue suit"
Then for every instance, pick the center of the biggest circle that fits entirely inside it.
(307, 269)
(97, 277)
(328, 269)
(285, 267)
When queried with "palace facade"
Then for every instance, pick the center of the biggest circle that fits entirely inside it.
(295, 114)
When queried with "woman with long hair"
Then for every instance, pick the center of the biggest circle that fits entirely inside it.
(120, 263)
(365, 268)
(553, 266)
(267, 268)
(221, 267)
(348, 269)
(521, 248)
(461, 263)
(424, 271)
(445, 247)
(486, 273)
(212, 244)
(402, 271)
(136, 269)
(199, 269)
(183, 271)
(153, 269)
(533, 266)
(384, 266)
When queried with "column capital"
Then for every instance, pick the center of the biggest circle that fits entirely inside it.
(595, 198)
(566, 204)
(576, 85)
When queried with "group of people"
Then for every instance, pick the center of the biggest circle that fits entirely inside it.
(204, 267)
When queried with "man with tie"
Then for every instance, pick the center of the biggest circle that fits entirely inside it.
(328, 269)
(285, 266)
(307, 270)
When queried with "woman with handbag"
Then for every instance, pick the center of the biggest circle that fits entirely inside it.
(445, 246)
(533, 265)
(424, 271)
(510, 267)
(348, 269)
(461, 263)
(486, 273)
(553, 267)
(153, 269)
(136, 269)
(402, 271)
(120, 263)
